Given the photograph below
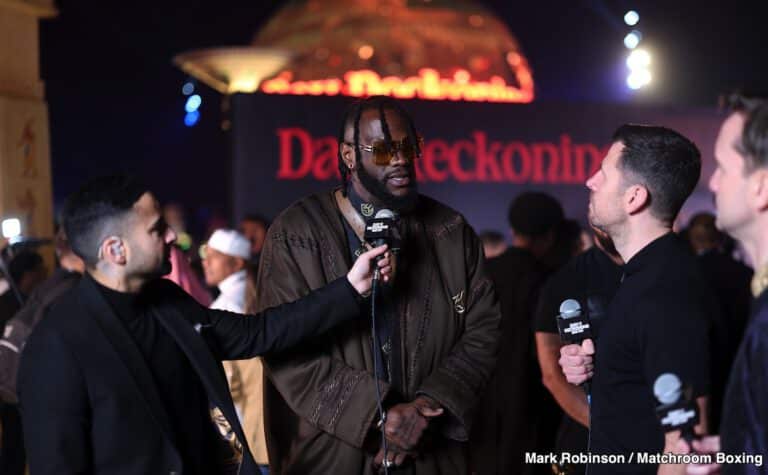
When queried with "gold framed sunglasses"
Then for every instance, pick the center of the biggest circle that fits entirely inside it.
(383, 152)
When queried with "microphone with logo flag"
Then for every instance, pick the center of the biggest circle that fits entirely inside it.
(574, 327)
(677, 409)
(380, 230)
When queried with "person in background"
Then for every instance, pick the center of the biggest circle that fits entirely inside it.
(17, 330)
(183, 275)
(539, 227)
(27, 270)
(535, 220)
(592, 278)
(254, 227)
(225, 264)
(494, 243)
(508, 418)
(730, 281)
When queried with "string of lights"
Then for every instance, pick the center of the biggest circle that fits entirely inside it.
(639, 59)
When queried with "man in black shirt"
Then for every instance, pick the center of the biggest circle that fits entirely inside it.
(507, 412)
(592, 278)
(657, 322)
(122, 375)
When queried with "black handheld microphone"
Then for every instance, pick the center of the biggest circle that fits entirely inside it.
(677, 409)
(574, 327)
(380, 231)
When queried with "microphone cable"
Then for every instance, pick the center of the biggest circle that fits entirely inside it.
(375, 343)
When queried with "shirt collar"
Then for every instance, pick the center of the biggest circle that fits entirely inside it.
(233, 283)
(366, 209)
(653, 252)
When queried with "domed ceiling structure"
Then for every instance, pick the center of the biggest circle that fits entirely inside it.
(427, 49)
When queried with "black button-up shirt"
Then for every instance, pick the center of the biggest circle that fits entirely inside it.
(657, 323)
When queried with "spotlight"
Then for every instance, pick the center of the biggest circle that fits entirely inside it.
(632, 39)
(638, 78)
(188, 88)
(11, 228)
(631, 18)
(191, 118)
(638, 59)
(193, 103)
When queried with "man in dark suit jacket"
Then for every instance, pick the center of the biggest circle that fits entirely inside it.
(123, 374)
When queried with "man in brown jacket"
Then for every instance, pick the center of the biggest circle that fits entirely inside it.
(437, 323)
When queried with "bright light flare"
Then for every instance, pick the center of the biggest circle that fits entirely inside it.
(631, 18)
(632, 39)
(193, 103)
(638, 59)
(638, 78)
(11, 228)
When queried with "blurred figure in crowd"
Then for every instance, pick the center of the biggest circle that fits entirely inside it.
(17, 330)
(592, 278)
(494, 243)
(254, 227)
(507, 420)
(539, 226)
(730, 281)
(225, 263)
(183, 275)
(27, 270)
(176, 218)
(535, 219)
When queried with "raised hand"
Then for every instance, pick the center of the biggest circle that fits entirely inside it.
(361, 273)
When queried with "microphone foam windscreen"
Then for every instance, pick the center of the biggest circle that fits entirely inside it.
(570, 308)
(667, 388)
(385, 213)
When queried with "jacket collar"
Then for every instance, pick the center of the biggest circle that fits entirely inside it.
(199, 345)
(190, 338)
(126, 350)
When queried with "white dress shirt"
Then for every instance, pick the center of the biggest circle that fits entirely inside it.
(232, 296)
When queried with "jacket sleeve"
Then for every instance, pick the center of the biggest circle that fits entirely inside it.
(55, 423)
(464, 373)
(283, 326)
(324, 391)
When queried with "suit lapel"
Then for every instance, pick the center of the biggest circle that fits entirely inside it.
(193, 342)
(126, 350)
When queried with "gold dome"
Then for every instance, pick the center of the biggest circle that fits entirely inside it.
(427, 49)
(399, 42)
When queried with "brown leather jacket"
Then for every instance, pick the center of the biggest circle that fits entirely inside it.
(320, 399)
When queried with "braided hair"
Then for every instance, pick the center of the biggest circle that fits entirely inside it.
(352, 119)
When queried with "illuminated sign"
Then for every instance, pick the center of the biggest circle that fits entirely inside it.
(473, 159)
(426, 85)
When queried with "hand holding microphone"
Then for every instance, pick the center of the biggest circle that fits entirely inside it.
(380, 230)
(364, 269)
(576, 357)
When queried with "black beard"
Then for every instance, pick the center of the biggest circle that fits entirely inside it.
(400, 204)
(166, 266)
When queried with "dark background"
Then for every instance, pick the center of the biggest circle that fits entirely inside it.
(115, 99)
